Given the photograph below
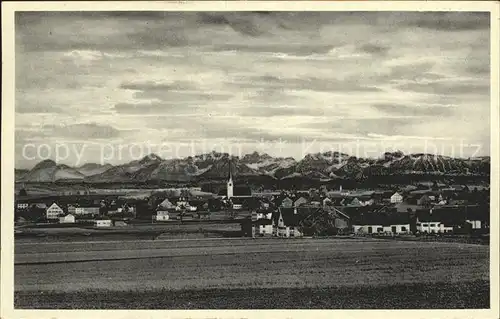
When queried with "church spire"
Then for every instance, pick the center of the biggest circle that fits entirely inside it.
(230, 182)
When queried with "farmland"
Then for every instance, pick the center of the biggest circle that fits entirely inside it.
(133, 232)
(225, 273)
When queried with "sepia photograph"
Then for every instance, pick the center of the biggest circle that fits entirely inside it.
(170, 159)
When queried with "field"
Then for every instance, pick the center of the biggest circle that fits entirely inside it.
(132, 232)
(231, 273)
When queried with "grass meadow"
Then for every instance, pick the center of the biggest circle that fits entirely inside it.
(246, 273)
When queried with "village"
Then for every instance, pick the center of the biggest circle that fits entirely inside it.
(423, 208)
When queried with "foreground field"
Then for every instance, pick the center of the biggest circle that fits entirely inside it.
(409, 296)
(225, 273)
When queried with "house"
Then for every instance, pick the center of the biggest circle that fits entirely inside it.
(341, 220)
(287, 202)
(261, 214)
(102, 223)
(300, 201)
(22, 205)
(427, 222)
(203, 215)
(86, 211)
(458, 187)
(183, 204)
(71, 209)
(478, 216)
(457, 202)
(262, 227)
(327, 202)
(365, 228)
(316, 200)
(442, 202)
(432, 226)
(396, 198)
(369, 202)
(54, 211)
(162, 215)
(68, 219)
(39, 206)
(120, 223)
(405, 207)
(425, 200)
(388, 223)
(286, 223)
(264, 204)
(355, 203)
(475, 224)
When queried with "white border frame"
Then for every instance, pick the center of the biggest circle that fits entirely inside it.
(8, 89)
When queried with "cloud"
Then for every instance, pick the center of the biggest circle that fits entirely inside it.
(297, 49)
(416, 110)
(451, 21)
(446, 88)
(244, 76)
(248, 24)
(271, 111)
(37, 109)
(83, 131)
(366, 126)
(374, 49)
(152, 108)
(151, 85)
(305, 83)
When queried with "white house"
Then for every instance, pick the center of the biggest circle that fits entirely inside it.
(285, 224)
(68, 219)
(102, 223)
(382, 223)
(367, 229)
(162, 215)
(71, 209)
(287, 202)
(183, 204)
(86, 210)
(368, 202)
(54, 211)
(397, 229)
(432, 226)
(22, 205)
(396, 198)
(476, 224)
(166, 204)
(263, 227)
(301, 201)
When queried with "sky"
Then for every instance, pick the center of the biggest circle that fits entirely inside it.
(115, 86)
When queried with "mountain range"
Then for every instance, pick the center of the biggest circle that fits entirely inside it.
(319, 166)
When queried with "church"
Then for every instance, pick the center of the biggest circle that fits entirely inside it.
(233, 191)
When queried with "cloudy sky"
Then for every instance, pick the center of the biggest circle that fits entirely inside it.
(113, 86)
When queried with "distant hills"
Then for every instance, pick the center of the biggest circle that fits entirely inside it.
(214, 166)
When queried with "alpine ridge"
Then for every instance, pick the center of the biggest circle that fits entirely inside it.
(214, 165)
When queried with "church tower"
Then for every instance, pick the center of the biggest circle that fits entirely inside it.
(230, 183)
